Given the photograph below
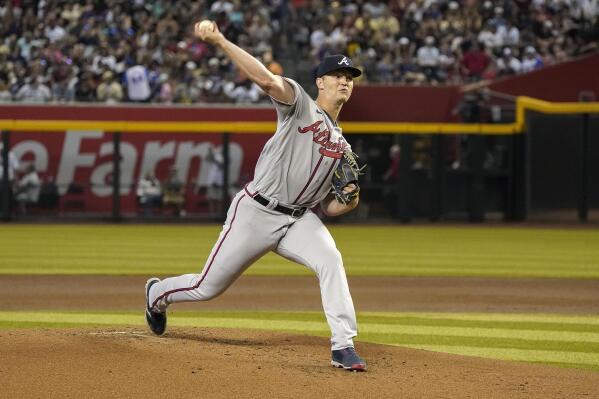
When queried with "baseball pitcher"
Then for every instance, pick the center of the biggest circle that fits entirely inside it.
(307, 162)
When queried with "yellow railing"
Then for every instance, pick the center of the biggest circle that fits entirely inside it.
(523, 104)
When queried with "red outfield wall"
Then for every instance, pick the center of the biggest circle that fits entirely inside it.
(563, 82)
(85, 159)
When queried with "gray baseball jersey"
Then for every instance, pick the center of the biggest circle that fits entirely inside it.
(296, 164)
(294, 169)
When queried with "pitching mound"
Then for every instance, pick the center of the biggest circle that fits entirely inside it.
(217, 363)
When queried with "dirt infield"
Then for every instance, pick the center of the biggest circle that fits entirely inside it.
(302, 293)
(220, 363)
(214, 363)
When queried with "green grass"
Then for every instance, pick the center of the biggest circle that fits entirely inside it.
(367, 251)
(571, 341)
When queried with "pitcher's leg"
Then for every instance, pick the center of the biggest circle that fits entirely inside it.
(239, 245)
(308, 242)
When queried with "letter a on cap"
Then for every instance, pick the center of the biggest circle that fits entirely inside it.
(343, 61)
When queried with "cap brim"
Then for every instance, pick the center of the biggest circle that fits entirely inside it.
(354, 71)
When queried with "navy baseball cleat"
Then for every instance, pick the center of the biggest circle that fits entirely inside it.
(156, 320)
(348, 359)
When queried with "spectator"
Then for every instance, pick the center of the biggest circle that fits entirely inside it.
(34, 92)
(474, 62)
(511, 34)
(149, 193)
(109, 91)
(27, 189)
(54, 31)
(272, 65)
(216, 177)
(243, 90)
(85, 88)
(531, 60)
(428, 59)
(214, 81)
(94, 37)
(508, 64)
(5, 96)
(491, 37)
(375, 8)
(491, 71)
(64, 82)
(174, 192)
(385, 69)
(138, 85)
(220, 6)
(167, 89)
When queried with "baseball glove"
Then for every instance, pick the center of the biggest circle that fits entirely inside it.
(347, 173)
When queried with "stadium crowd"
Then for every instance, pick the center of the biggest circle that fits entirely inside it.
(143, 50)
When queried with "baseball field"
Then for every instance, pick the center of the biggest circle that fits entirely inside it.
(443, 311)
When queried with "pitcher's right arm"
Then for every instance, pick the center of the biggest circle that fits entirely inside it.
(273, 85)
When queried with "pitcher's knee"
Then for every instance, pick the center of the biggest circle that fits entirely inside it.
(331, 262)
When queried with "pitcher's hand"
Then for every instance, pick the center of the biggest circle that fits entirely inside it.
(208, 31)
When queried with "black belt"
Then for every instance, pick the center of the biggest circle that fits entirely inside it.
(294, 212)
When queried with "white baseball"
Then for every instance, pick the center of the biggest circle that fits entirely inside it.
(206, 26)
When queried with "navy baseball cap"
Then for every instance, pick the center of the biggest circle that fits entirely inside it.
(338, 61)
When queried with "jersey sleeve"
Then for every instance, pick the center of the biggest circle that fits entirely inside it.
(298, 104)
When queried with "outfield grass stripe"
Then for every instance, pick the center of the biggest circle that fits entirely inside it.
(416, 321)
(311, 326)
(108, 318)
(534, 335)
(481, 342)
(71, 318)
(476, 262)
(401, 320)
(524, 355)
(507, 317)
(557, 257)
(389, 251)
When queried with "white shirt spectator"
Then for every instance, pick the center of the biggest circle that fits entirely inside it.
(25, 46)
(242, 93)
(583, 9)
(148, 186)
(530, 64)
(337, 38)
(34, 93)
(28, 188)
(590, 9)
(317, 38)
(491, 39)
(508, 64)
(511, 36)
(100, 63)
(428, 56)
(216, 175)
(376, 9)
(259, 30)
(531, 60)
(54, 33)
(138, 86)
(5, 96)
(221, 6)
